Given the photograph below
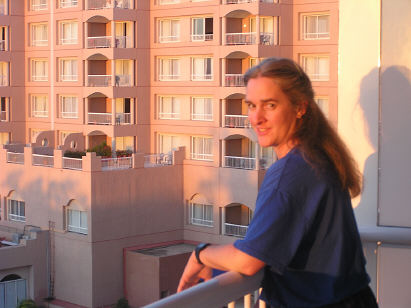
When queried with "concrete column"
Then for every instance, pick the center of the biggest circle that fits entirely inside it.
(133, 107)
(247, 301)
(28, 157)
(113, 34)
(223, 30)
(222, 220)
(113, 111)
(257, 156)
(86, 34)
(58, 159)
(257, 29)
(91, 162)
(113, 72)
(86, 71)
(223, 111)
(85, 102)
(8, 109)
(223, 72)
(223, 145)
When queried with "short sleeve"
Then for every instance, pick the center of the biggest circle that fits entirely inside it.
(275, 231)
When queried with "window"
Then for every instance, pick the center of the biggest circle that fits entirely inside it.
(201, 148)
(125, 143)
(123, 72)
(39, 106)
(68, 107)
(3, 38)
(68, 32)
(202, 108)
(68, 69)
(4, 138)
(169, 107)
(315, 26)
(169, 69)
(39, 35)
(39, 70)
(168, 143)
(3, 7)
(38, 5)
(77, 221)
(323, 104)
(68, 3)
(169, 30)
(3, 108)
(316, 66)
(201, 214)
(202, 69)
(4, 74)
(16, 208)
(253, 62)
(202, 29)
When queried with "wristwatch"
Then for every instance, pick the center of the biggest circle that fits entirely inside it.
(198, 249)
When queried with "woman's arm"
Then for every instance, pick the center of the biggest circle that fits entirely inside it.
(222, 257)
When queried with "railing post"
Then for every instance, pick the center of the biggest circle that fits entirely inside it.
(28, 156)
(3, 155)
(58, 159)
(91, 162)
(137, 160)
(247, 301)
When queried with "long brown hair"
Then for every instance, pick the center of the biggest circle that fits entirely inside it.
(318, 140)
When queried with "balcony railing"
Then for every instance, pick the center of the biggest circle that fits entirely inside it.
(107, 4)
(169, 38)
(99, 80)
(3, 116)
(164, 77)
(319, 77)
(39, 78)
(43, 160)
(216, 292)
(202, 37)
(123, 80)
(123, 118)
(234, 80)
(239, 162)
(39, 113)
(158, 160)
(161, 2)
(68, 77)
(99, 42)
(169, 115)
(201, 222)
(202, 116)
(201, 77)
(4, 80)
(123, 42)
(99, 118)
(235, 230)
(72, 163)
(39, 5)
(316, 35)
(202, 156)
(39, 42)
(240, 121)
(266, 38)
(116, 163)
(16, 217)
(15, 158)
(2, 9)
(240, 38)
(2, 45)
(69, 114)
(68, 40)
(68, 3)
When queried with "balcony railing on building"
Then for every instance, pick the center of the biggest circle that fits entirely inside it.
(99, 80)
(164, 77)
(107, 4)
(202, 156)
(42, 160)
(316, 35)
(319, 77)
(123, 42)
(122, 80)
(116, 163)
(202, 116)
(240, 38)
(69, 114)
(68, 40)
(234, 80)
(39, 78)
(39, 42)
(158, 160)
(239, 162)
(39, 5)
(234, 230)
(99, 42)
(68, 3)
(72, 163)
(169, 115)
(200, 77)
(3, 116)
(169, 38)
(15, 158)
(267, 38)
(236, 121)
(2, 9)
(40, 113)
(202, 37)
(123, 118)
(68, 77)
(99, 118)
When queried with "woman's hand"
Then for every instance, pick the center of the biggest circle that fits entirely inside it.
(193, 272)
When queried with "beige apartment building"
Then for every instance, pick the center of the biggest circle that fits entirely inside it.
(159, 80)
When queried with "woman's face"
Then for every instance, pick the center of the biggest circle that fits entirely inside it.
(271, 114)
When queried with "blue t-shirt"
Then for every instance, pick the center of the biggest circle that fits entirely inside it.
(305, 231)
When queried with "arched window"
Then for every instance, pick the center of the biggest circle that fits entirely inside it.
(16, 207)
(201, 213)
(76, 218)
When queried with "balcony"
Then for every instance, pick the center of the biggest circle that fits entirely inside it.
(99, 118)
(236, 121)
(240, 38)
(239, 152)
(240, 162)
(235, 230)
(116, 163)
(236, 219)
(234, 80)
(158, 160)
(123, 80)
(108, 4)
(123, 118)
(99, 42)
(42, 160)
(123, 42)
(99, 80)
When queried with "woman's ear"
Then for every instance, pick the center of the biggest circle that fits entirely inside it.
(301, 109)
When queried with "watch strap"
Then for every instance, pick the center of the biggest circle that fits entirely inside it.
(198, 249)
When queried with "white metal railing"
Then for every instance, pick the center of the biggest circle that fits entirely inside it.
(99, 80)
(168, 38)
(201, 77)
(68, 41)
(164, 77)
(39, 5)
(39, 42)
(116, 163)
(16, 217)
(234, 80)
(239, 162)
(77, 229)
(15, 158)
(68, 3)
(72, 163)
(240, 121)
(99, 42)
(123, 118)
(99, 118)
(202, 37)
(107, 4)
(69, 114)
(122, 80)
(316, 35)
(2, 45)
(3, 116)
(216, 292)
(202, 116)
(123, 42)
(68, 77)
(240, 38)
(4, 80)
(235, 230)
(39, 78)
(158, 160)
(202, 156)
(43, 160)
(39, 113)
(169, 115)
(168, 1)
(267, 38)
(201, 222)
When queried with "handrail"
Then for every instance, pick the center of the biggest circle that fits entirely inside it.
(387, 235)
(213, 293)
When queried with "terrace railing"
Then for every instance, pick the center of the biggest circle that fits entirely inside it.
(233, 229)
(99, 42)
(158, 160)
(15, 158)
(237, 121)
(247, 38)
(3, 115)
(99, 118)
(123, 118)
(116, 163)
(43, 160)
(72, 163)
(99, 80)
(234, 80)
(239, 162)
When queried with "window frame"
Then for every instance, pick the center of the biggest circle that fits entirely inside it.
(64, 6)
(39, 113)
(73, 66)
(68, 41)
(207, 65)
(309, 36)
(44, 41)
(169, 38)
(169, 77)
(202, 155)
(79, 229)
(317, 75)
(38, 78)
(11, 215)
(202, 221)
(175, 106)
(202, 116)
(68, 114)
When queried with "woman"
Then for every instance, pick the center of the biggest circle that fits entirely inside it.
(303, 232)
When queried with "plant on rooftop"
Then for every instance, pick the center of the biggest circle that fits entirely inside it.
(101, 150)
(74, 154)
(123, 153)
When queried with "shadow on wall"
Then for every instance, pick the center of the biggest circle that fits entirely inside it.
(392, 146)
